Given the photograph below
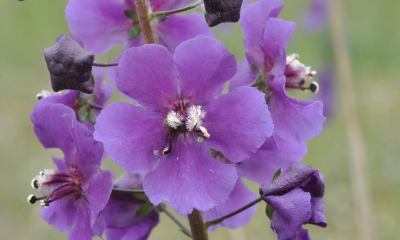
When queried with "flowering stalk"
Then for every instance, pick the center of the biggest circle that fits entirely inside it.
(219, 220)
(183, 228)
(145, 24)
(167, 13)
(199, 230)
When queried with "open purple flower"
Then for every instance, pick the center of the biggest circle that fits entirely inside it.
(296, 198)
(122, 209)
(101, 24)
(239, 197)
(182, 117)
(269, 69)
(76, 193)
(86, 106)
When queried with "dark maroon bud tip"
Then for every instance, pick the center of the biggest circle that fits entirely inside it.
(32, 199)
(219, 11)
(70, 65)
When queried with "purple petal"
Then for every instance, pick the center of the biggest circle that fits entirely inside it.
(276, 35)
(253, 22)
(68, 98)
(130, 135)
(303, 235)
(56, 126)
(239, 197)
(274, 154)
(316, 187)
(82, 229)
(238, 123)
(61, 214)
(60, 163)
(100, 24)
(291, 211)
(318, 212)
(162, 5)
(190, 178)
(244, 76)
(138, 231)
(147, 75)
(73, 37)
(296, 174)
(130, 180)
(294, 120)
(179, 28)
(204, 66)
(97, 192)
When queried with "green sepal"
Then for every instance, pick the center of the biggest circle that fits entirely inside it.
(144, 209)
(83, 113)
(269, 211)
(91, 116)
(92, 79)
(277, 174)
(131, 14)
(134, 31)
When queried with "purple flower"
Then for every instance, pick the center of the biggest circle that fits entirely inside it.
(219, 11)
(274, 154)
(182, 117)
(327, 93)
(76, 193)
(121, 211)
(86, 105)
(269, 69)
(239, 197)
(296, 198)
(316, 16)
(70, 65)
(101, 24)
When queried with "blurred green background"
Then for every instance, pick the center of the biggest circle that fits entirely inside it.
(373, 34)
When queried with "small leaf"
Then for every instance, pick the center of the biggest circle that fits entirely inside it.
(135, 31)
(277, 174)
(269, 211)
(91, 117)
(143, 210)
(92, 79)
(131, 14)
(83, 113)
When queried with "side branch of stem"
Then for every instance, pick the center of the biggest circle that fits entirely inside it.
(167, 13)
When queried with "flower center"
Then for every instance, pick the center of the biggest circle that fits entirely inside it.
(52, 185)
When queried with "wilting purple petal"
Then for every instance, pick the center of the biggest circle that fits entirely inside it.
(130, 135)
(316, 187)
(100, 24)
(239, 197)
(253, 22)
(62, 213)
(219, 11)
(244, 76)
(303, 235)
(276, 35)
(291, 211)
(296, 174)
(73, 37)
(204, 66)
(294, 120)
(274, 154)
(147, 75)
(236, 128)
(190, 178)
(179, 28)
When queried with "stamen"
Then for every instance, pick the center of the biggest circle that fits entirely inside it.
(35, 184)
(174, 120)
(44, 203)
(195, 116)
(314, 87)
(204, 131)
(166, 150)
(32, 199)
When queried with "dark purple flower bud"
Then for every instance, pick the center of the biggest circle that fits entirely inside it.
(219, 11)
(296, 198)
(70, 66)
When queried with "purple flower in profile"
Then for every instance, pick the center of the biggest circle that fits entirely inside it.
(182, 117)
(274, 154)
(75, 194)
(86, 106)
(269, 69)
(239, 197)
(122, 209)
(101, 24)
(296, 198)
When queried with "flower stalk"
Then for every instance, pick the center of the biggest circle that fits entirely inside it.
(183, 228)
(145, 23)
(183, 9)
(196, 221)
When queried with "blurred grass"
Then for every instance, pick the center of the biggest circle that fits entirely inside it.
(373, 31)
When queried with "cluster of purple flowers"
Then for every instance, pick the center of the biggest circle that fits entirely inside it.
(182, 141)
